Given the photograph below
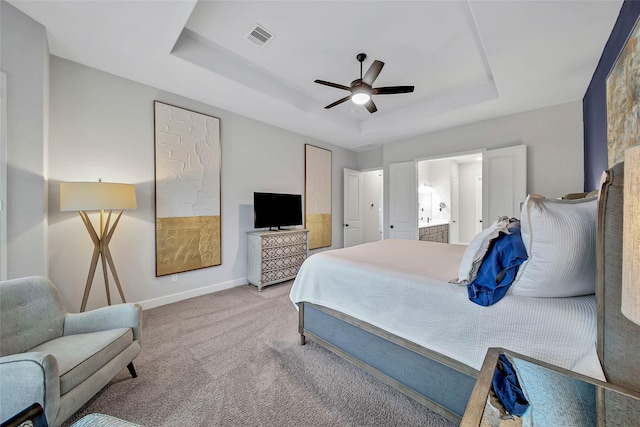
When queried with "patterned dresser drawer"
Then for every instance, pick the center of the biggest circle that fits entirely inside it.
(282, 240)
(272, 264)
(275, 256)
(279, 275)
(280, 251)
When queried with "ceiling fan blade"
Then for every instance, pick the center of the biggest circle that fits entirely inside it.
(336, 85)
(372, 72)
(371, 106)
(390, 90)
(340, 101)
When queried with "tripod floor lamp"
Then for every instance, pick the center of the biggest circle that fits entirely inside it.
(99, 196)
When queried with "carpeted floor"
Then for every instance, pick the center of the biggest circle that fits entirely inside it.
(233, 358)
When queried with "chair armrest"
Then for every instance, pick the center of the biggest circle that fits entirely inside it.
(27, 378)
(102, 319)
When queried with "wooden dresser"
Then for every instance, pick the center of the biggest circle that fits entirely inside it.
(275, 256)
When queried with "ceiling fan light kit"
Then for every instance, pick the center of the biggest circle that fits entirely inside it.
(361, 89)
(360, 98)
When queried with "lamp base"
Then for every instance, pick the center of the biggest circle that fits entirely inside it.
(101, 251)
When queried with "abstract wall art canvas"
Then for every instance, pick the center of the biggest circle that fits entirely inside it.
(623, 100)
(187, 164)
(317, 196)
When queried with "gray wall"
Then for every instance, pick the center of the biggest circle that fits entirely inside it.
(102, 127)
(25, 59)
(553, 135)
(370, 159)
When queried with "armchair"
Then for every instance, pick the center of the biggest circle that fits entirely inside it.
(55, 358)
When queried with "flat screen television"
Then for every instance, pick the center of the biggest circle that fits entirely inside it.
(276, 210)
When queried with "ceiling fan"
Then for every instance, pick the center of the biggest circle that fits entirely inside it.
(361, 89)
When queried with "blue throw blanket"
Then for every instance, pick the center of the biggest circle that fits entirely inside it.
(499, 267)
(507, 388)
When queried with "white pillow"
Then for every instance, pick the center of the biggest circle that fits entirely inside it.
(560, 238)
(475, 252)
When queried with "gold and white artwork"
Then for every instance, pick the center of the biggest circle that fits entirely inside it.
(318, 196)
(188, 161)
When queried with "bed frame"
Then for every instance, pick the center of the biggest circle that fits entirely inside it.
(443, 384)
(618, 337)
(437, 381)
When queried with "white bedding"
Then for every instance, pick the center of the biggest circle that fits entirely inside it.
(402, 287)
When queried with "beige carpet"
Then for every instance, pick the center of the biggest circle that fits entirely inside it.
(233, 358)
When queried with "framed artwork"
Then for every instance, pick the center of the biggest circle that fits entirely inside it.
(623, 99)
(187, 175)
(317, 195)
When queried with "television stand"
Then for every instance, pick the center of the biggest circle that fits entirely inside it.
(275, 256)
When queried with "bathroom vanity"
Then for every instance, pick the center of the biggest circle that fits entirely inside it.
(434, 231)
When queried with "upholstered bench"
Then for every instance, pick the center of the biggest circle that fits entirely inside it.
(102, 420)
(33, 416)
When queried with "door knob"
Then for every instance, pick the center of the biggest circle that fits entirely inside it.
(392, 226)
(346, 225)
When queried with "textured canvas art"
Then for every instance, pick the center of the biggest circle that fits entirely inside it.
(317, 196)
(188, 160)
(623, 100)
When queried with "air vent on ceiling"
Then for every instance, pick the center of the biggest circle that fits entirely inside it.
(260, 35)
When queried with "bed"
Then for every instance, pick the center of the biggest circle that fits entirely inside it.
(388, 306)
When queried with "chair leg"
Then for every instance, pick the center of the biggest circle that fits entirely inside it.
(132, 370)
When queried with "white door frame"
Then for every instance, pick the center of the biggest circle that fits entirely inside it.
(478, 205)
(454, 209)
(3, 176)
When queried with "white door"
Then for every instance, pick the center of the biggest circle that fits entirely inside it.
(504, 182)
(3, 176)
(403, 201)
(454, 218)
(352, 207)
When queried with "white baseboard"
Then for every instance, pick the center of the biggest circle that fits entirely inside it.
(168, 299)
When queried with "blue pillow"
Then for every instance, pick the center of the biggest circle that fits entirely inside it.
(499, 267)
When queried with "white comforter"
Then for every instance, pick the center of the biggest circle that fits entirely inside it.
(402, 287)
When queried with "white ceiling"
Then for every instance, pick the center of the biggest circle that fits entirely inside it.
(469, 60)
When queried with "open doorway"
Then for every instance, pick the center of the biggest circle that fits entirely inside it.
(449, 198)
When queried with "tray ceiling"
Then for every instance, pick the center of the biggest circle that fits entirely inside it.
(468, 60)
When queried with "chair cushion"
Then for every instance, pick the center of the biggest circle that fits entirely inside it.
(81, 355)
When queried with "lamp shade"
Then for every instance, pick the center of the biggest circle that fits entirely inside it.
(631, 236)
(95, 196)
